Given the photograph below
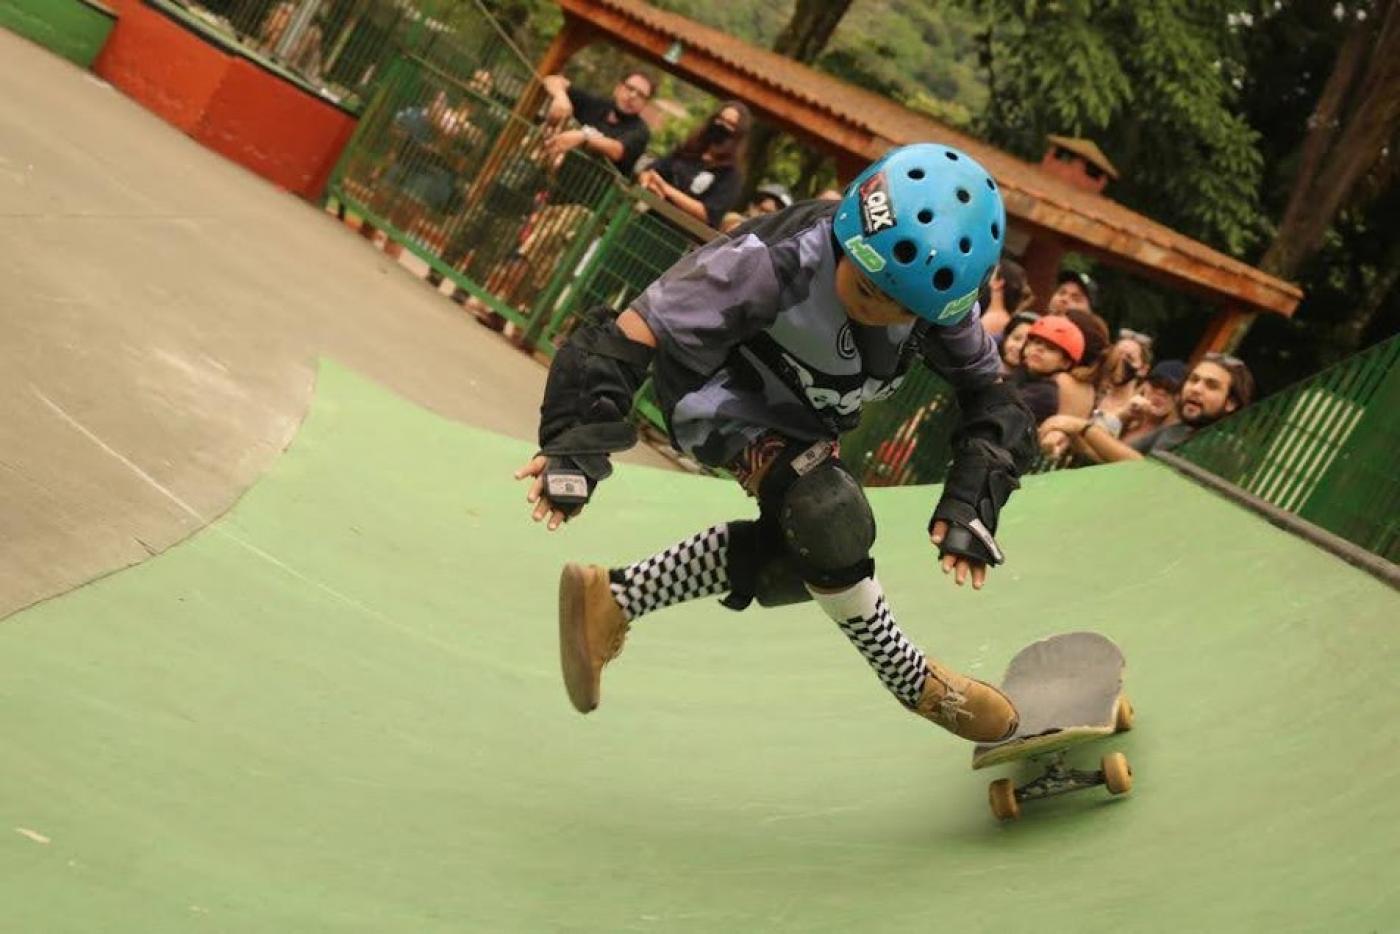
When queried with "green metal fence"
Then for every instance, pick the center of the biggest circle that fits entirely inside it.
(1325, 450)
(342, 47)
(448, 162)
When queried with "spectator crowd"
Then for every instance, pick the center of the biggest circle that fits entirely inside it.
(1098, 399)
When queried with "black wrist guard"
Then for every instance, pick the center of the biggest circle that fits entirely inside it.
(584, 414)
(993, 445)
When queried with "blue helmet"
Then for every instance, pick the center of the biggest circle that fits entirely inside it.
(925, 223)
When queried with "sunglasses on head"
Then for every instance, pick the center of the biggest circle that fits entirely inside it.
(1224, 358)
(1128, 334)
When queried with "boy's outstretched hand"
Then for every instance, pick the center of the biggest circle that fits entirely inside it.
(961, 568)
(534, 472)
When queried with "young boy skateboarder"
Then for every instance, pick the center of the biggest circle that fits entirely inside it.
(763, 345)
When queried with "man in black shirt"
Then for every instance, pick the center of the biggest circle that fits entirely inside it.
(612, 128)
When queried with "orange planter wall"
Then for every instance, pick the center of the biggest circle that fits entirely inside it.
(165, 67)
(275, 128)
(259, 119)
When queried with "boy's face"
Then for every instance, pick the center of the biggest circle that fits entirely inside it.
(1043, 358)
(864, 303)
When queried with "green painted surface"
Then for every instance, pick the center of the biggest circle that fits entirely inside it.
(338, 709)
(75, 29)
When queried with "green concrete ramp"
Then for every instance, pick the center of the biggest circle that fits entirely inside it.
(338, 709)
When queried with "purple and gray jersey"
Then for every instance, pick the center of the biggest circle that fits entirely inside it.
(752, 340)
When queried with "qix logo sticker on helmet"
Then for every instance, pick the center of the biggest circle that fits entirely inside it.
(864, 253)
(876, 207)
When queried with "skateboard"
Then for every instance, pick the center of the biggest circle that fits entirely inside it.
(1068, 690)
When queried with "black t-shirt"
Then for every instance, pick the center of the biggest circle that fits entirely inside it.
(716, 187)
(1040, 393)
(1163, 439)
(630, 130)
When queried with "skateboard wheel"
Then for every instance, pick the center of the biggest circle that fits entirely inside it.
(1117, 774)
(1123, 715)
(1002, 795)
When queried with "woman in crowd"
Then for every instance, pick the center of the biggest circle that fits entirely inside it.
(1004, 294)
(1079, 387)
(704, 175)
(1013, 339)
(1120, 378)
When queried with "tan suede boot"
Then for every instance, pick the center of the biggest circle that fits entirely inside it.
(965, 706)
(591, 631)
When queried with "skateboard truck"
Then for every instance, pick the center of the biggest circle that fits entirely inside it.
(1058, 779)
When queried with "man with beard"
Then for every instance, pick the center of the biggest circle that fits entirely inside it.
(1215, 387)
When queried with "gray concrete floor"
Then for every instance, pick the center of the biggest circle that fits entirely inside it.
(163, 311)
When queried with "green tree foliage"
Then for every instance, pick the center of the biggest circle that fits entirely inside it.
(1351, 298)
(912, 51)
(1154, 82)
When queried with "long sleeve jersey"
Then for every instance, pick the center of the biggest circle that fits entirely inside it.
(752, 340)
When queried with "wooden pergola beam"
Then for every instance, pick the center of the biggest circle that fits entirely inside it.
(1183, 265)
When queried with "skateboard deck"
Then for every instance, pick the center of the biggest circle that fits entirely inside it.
(1068, 689)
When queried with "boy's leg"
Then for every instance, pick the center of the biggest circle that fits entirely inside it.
(828, 528)
(597, 605)
(744, 558)
(812, 540)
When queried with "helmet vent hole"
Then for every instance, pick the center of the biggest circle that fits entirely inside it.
(925, 216)
(964, 196)
(905, 252)
(991, 184)
(943, 279)
(916, 174)
(965, 245)
(952, 156)
(996, 231)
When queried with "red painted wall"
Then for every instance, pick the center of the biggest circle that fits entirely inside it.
(276, 128)
(167, 69)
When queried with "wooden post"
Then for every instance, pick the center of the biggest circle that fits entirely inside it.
(1222, 334)
(848, 165)
(574, 36)
(1042, 264)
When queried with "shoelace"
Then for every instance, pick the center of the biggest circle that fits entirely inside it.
(950, 706)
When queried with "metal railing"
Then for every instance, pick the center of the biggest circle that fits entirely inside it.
(1324, 450)
(448, 161)
(342, 47)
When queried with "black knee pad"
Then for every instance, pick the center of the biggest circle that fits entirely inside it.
(760, 567)
(828, 526)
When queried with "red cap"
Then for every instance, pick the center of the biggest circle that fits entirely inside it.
(1062, 333)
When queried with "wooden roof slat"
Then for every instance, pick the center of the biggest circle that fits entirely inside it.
(851, 121)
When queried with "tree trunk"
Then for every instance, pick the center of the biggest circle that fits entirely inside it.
(1345, 338)
(1356, 117)
(803, 38)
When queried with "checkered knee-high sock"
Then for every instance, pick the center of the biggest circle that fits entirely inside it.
(864, 616)
(695, 567)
